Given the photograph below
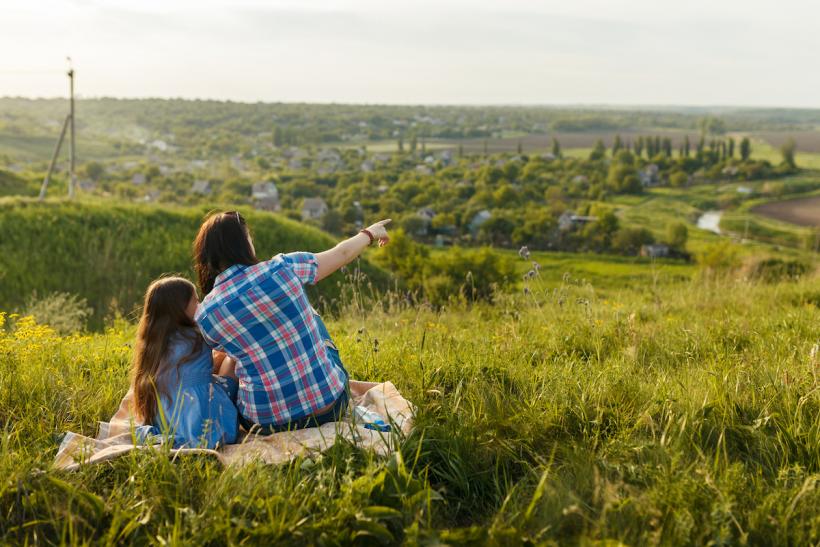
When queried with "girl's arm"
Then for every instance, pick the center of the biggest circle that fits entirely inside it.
(331, 260)
(217, 357)
(227, 368)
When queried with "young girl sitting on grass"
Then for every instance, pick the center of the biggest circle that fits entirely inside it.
(173, 387)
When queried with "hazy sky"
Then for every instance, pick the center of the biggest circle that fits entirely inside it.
(692, 52)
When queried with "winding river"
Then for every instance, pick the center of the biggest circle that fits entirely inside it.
(710, 220)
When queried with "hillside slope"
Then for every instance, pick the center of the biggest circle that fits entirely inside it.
(108, 254)
(14, 185)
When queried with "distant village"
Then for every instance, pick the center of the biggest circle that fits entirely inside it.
(438, 193)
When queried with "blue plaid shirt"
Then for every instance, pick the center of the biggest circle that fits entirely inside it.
(260, 316)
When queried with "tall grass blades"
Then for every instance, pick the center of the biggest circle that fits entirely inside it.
(683, 413)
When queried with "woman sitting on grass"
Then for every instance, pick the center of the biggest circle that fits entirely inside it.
(173, 387)
(290, 374)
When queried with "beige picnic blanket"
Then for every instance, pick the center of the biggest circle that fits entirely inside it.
(116, 438)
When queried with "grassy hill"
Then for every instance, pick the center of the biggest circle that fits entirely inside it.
(15, 185)
(682, 415)
(108, 254)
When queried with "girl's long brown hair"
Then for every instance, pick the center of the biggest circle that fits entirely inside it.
(163, 315)
(222, 242)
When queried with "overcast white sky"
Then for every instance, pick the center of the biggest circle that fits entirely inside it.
(682, 52)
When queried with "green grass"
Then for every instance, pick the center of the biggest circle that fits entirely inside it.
(606, 272)
(41, 147)
(28, 147)
(762, 150)
(682, 413)
(580, 153)
(12, 184)
(108, 253)
(747, 225)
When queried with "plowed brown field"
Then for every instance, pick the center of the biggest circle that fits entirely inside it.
(804, 212)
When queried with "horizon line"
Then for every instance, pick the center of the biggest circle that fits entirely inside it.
(567, 105)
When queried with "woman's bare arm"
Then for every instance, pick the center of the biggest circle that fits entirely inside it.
(342, 254)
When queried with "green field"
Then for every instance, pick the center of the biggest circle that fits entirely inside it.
(764, 151)
(41, 147)
(680, 412)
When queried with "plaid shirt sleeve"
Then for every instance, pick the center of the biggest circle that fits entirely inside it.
(204, 324)
(212, 344)
(304, 265)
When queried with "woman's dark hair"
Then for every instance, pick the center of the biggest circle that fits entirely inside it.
(163, 315)
(222, 242)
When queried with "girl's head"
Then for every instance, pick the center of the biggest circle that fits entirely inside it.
(170, 304)
(223, 241)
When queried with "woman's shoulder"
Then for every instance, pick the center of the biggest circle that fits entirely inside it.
(303, 265)
(288, 260)
(294, 258)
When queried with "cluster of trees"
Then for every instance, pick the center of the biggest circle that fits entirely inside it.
(707, 152)
(609, 236)
(504, 202)
(605, 234)
(705, 160)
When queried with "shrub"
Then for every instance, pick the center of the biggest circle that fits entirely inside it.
(65, 313)
(404, 257)
(629, 241)
(497, 230)
(775, 270)
(729, 201)
(676, 235)
(469, 274)
(678, 179)
(718, 260)
(473, 274)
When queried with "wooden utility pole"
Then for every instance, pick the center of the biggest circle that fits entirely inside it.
(72, 149)
(54, 158)
(72, 177)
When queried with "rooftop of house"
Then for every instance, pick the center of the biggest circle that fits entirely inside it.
(313, 203)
